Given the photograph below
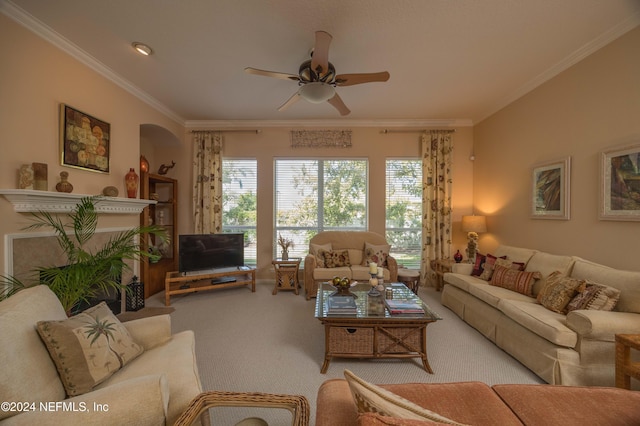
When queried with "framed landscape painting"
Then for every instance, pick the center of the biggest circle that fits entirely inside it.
(84, 140)
(620, 184)
(550, 190)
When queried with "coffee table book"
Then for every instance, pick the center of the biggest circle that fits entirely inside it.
(403, 306)
(341, 305)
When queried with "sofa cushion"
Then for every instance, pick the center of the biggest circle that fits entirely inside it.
(515, 254)
(595, 297)
(376, 253)
(325, 274)
(478, 265)
(628, 282)
(371, 398)
(315, 249)
(32, 375)
(546, 264)
(558, 291)
(541, 321)
(88, 348)
(541, 405)
(462, 281)
(361, 273)
(488, 266)
(514, 280)
(335, 258)
(492, 294)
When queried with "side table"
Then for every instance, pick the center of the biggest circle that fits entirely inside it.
(625, 369)
(286, 274)
(440, 267)
(410, 278)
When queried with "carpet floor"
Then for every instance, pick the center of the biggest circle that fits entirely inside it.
(259, 342)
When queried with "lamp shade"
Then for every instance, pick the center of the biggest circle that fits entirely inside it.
(474, 223)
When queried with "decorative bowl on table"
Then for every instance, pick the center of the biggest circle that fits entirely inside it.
(342, 286)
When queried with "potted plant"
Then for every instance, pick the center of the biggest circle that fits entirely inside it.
(87, 273)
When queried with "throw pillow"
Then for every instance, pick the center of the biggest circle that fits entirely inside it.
(487, 268)
(514, 280)
(335, 259)
(376, 254)
(478, 265)
(371, 398)
(595, 297)
(315, 250)
(558, 291)
(487, 273)
(88, 348)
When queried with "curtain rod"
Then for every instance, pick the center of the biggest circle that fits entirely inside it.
(385, 131)
(256, 131)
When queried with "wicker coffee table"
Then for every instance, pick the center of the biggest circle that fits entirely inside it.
(373, 334)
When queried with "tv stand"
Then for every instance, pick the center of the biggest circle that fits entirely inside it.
(176, 283)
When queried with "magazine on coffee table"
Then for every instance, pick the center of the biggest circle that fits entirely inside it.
(404, 306)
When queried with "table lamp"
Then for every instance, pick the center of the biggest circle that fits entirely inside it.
(472, 225)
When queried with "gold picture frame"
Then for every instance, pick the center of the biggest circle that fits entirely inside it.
(550, 190)
(84, 140)
(620, 183)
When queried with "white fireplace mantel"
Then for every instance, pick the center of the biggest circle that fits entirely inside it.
(29, 200)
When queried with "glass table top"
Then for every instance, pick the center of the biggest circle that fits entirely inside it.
(372, 306)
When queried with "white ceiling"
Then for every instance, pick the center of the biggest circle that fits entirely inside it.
(452, 61)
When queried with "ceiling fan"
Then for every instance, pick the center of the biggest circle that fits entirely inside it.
(317, 77)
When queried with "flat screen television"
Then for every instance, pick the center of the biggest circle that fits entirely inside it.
(207, 252)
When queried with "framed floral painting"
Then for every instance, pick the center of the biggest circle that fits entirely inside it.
(620, 183)
(84, 140)
(550, 198)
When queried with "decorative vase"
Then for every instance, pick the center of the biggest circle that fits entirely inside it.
(131, 180)
(285, 254)
(457, 257)
(64, 185)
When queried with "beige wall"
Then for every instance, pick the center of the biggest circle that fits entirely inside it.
(589, 107)
(35, 78)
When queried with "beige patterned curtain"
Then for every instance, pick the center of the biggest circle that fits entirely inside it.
(436, 199)
(207, 178)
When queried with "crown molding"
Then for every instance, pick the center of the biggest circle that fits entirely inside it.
(331, 123)
(31, 23)
(578, 55)
(29, 200)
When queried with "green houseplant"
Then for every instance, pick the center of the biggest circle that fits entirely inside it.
(87, 272)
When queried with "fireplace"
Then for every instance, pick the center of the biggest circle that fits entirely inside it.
(29, 251)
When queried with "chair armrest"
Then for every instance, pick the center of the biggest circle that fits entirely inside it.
(462, 268)
(143, 401)
(297, 404)
(602, 325)
(309, 266)
(392, 265)
(150, 332)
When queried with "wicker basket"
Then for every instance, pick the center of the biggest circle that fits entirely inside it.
(351, 340)
(408, 337)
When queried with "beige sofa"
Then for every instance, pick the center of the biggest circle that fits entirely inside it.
(359, 245)
(152, 389)
(573, 349)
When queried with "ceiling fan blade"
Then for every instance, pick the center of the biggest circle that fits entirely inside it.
(337, 103)
(275, 74)
(351, 79)
(320, 56)
(292, 100)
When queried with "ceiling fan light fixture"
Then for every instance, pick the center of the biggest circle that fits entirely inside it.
(142, 48)
(317, 92)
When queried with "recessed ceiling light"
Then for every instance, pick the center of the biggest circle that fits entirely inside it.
(142, 48)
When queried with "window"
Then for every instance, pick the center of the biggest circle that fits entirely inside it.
(404, 211)
(318, 195)
(239, 202)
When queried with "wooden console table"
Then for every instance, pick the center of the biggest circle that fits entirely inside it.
(176, 283)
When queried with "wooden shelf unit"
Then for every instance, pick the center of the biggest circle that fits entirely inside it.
(163, 213)
(176, 283)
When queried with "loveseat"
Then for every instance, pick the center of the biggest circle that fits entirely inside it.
(553, 316)
(153, 388)
(346, 254)
(472, 403)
